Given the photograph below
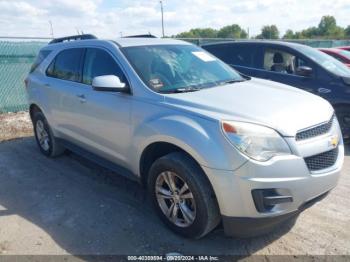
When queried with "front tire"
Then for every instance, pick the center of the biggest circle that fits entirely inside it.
(183, 196)
(45, 139)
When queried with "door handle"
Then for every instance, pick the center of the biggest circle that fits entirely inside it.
(324, 90)
(82, 98)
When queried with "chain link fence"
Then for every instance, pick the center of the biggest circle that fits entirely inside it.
(18, 54)
(310, 42)
(16, 58)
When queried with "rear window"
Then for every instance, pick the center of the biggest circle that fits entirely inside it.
(41, 57)
(67, 65)
(233, 54)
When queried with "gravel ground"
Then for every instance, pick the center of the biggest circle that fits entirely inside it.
(15, 125)
(69, 205)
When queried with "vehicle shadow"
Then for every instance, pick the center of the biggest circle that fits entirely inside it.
(88, 210)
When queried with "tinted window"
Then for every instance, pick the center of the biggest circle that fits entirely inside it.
(241, 55)
(41, 56)
(67, 65)
(98, 63)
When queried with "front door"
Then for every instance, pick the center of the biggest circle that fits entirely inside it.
(281, 65)
(104, 117)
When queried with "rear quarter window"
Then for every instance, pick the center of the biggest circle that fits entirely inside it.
(39, 59)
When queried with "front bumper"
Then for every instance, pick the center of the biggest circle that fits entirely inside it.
(249, 227)
(233, 190)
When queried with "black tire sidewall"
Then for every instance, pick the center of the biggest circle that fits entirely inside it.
(185, 171)
(39, 116)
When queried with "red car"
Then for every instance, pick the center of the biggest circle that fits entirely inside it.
(347, 48)
(340, 54)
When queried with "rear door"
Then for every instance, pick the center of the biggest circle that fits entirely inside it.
(63, 85)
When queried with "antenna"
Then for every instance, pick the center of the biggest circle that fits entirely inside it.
(51, 29)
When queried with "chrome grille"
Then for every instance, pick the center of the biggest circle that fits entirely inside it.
(315, 131)
(322, 161)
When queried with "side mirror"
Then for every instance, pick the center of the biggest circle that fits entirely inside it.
(304, 71)
(110, 83)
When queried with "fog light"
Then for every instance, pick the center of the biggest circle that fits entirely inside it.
(266, 199)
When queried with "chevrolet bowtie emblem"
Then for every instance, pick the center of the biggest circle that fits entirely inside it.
(334, 141)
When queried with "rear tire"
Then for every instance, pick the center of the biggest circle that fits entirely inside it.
(343, 115)
(192, 197)
(48, 144)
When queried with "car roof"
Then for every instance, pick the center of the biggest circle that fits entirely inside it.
(120, 42)
(135, 41)
(262, 42)
(331, 49)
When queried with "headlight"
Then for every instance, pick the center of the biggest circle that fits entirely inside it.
(258, 142)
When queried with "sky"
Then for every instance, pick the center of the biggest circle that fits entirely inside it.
(113, 18)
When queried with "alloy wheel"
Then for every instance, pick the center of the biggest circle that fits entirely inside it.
(175, 199)
(42, 135)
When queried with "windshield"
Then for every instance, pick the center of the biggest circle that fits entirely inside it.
(327, 62)
(171, 68)
(345, 53)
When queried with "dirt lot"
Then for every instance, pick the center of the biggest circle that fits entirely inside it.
(70, 206)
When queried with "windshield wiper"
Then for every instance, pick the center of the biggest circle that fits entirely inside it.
(182, 90)
(232, 81)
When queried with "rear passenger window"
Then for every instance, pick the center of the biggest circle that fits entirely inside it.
(67, 65)
(241, 55)
(98, 63)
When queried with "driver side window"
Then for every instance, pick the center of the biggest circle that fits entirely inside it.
(281, 61)
(97, 63)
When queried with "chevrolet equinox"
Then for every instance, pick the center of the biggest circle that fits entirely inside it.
(209, 144)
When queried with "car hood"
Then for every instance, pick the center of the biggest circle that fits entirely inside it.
(284, 108)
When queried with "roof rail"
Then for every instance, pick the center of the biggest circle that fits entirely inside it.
(141, 36)
(73, 37)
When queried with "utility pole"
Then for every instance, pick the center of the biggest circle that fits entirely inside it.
(161, 9)
(51, 29)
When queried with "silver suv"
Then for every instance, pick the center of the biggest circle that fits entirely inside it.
(209, 144)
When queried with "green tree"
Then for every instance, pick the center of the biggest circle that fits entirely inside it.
(199, 33)
(328, 28)
(232, 31)
(269, 32)
(289, 34)
(311, 32)
(347, 32)
(327, 25)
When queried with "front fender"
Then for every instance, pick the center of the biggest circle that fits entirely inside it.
(201, 138)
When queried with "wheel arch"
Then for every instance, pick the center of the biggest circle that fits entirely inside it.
(34, 108)
(156, 150)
